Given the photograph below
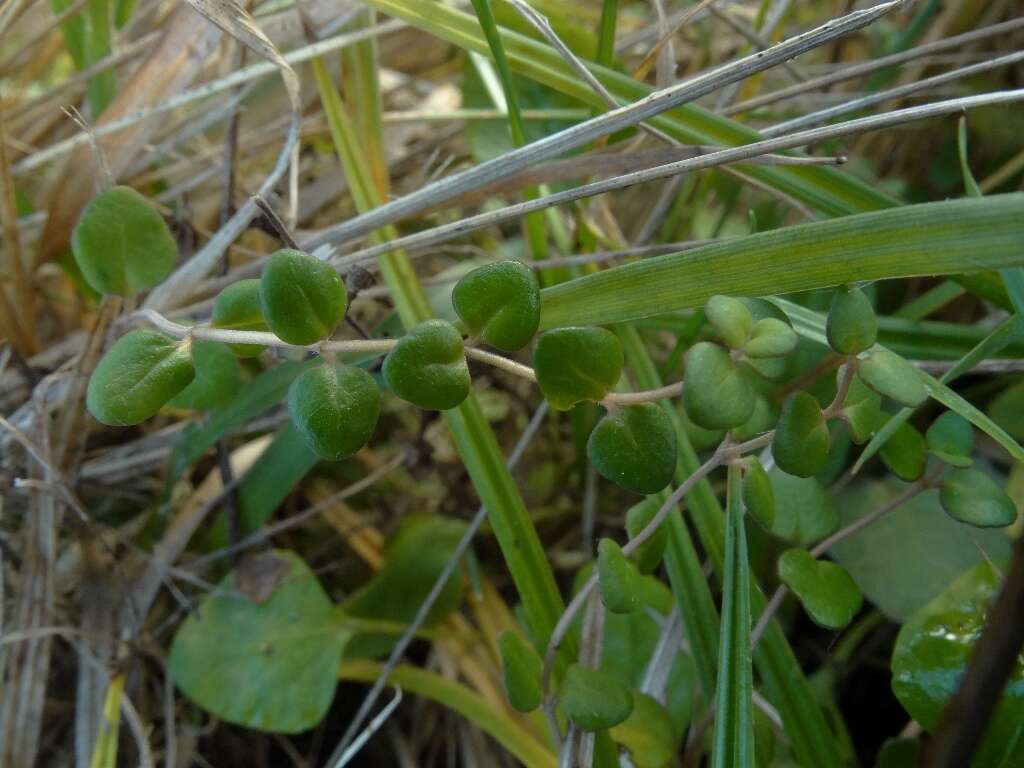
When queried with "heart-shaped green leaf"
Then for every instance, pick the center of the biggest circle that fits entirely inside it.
(862, 411)
(270, 665)
(891, 376)
(763, 419)
(216, 381)
(618, 578)
(758, 497)
(500, 303)
(122, 244)
(593, 699)
(521, 667)
(648, 733)
(336, 409)
(237, 308)
(802, 440)
(852, 326)
(138, 375)
(635, 447)
(905, 453)
(828, 593)
(428, 367)
(804, 511)
(302, 298)
(931, 653)
(730, 318)
(574, 365)
(973, 497)
(648, 555)
(770, 337)
(951, 439)
(715, 393)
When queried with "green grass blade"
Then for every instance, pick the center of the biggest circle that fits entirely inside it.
(733, 745)
(606, 33)
(927, 239)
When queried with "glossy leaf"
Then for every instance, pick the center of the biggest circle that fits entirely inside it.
(852, 326)
(521, 667)
(216, 381)
(905, 453)
(770, 337)
(137, 377)
(973, 497)
(336, 408)
(302, 298)
(801, 443)
(804, 511)
(648, 733)
(951, 439)
(649, 554)
(618, 578)
(730, 318)
(594, 700)
(500, 303)
(828, 593)
(891, 376)
(715, 393)
(238, 308)
(428, 367)
(635, 447)
(122, 244)
(574, 365)
(758, 496)
(269, 665)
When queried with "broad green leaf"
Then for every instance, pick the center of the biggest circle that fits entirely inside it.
(930, 656)
(733, 740)
(302, 298)
(905, 453)
(716, 393)
(521, 667)
(574, 365)
(428, 367)
(269, 665)
(911, 554)
(137, 376)
(926, 239)
(804, 511)
(973, 497)
(121, 243)
(635, 447)
(500, 303)
(828, 593)
(801, 443)
(647, 733)
(336, 408)
(763, 419)
(217, 378)
(594, 700)
(951, 439)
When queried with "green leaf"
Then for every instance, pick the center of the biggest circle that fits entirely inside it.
(828, 593)
(648, 555)
(428, 367)
(238, 308)
(804, 511)
(911, 554)
(763, 419)
(522, 668)
(852, 326)
(891, 376)
(594, 700)
(930, 656)
(862, 411)
(216, 381)
(269, 665)
(973, 497)
(801, 443)
(500, 303)
(574, 365)
(121, 243)
(731, 320)
(634, 447)
(951, 439)
(336, 407)
(302, 298)
(272, 477)
(905, 453)
(617, 578)
(926, 239)
(648, 733)
(138, 375)
(758, 496)
(770, 337)
(715, 392)
(733, 740)
(1007, 410)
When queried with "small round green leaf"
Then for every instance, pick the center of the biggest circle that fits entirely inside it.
(905, 453)
(237, 308)
(138, 375)
(217, 378)
(303, 299)
(715, 393)
(594, 700)
(574, 365)
(802, 440)
(500, 303)
(852, 326)
(730, 318)
(635, 447)
(763, 419)
(428, 367)
(891, 376)
(617, 578)
(758, 497)
(648, 555)
(951, 439)
(522, 669)
(828, 593)
(804, 510)
(336, 409)
(973, 497)
(648, 733)
(122, 244)
(862, 411)
(770, 337)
